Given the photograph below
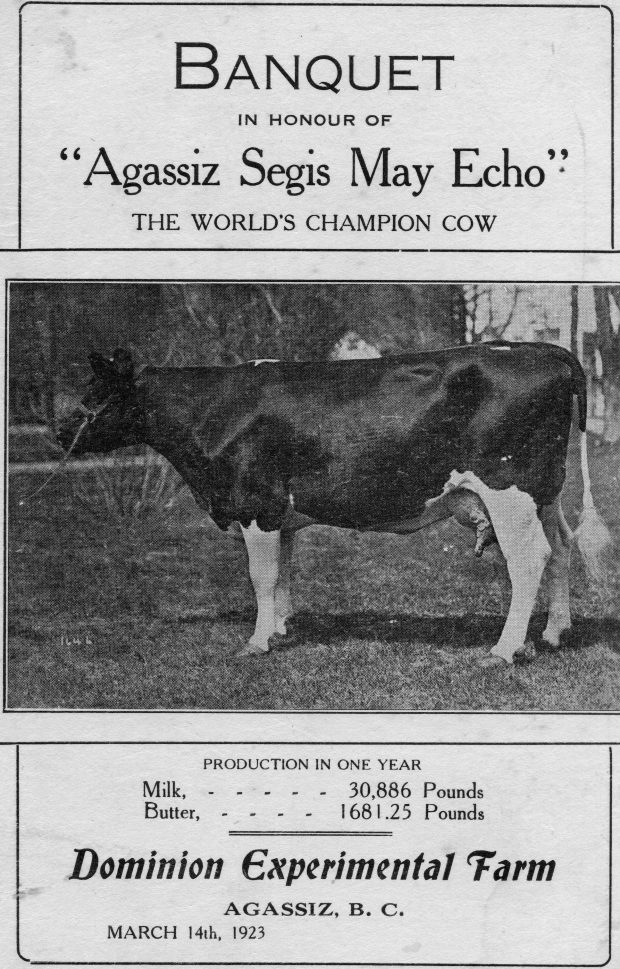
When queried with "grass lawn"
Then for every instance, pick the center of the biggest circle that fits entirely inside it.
(110, 611)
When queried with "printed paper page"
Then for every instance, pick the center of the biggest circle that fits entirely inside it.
(312, 421)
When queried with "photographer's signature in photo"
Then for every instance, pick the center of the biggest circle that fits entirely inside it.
(76, 640)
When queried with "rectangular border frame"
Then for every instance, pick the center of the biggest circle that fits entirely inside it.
(315, 3)
(302, 743)
(175, 710)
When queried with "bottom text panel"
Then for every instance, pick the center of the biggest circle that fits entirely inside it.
(314, 853)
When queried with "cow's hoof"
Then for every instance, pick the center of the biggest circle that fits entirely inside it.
(555, 641)
(526, 654)
(548, 646)
(489, 661)
(253, 649)
(281, 629)
(505, 654)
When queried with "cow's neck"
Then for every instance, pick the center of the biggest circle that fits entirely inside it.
(169, 431)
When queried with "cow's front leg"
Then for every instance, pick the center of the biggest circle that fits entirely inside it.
(284, 605)
(264, 563)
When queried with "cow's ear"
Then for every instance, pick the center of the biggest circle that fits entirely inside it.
(123, 364)
(101, 367)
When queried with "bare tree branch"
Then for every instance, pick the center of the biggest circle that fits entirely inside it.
(189, 309)
(515, 299)
(272, 306)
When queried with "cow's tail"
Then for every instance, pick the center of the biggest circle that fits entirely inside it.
(592, 534)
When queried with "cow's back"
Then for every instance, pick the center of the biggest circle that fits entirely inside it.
(361, 442)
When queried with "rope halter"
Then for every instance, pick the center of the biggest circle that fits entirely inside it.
(90, 415)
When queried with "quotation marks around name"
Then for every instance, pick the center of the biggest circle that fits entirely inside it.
(563, 154)
(64, 154)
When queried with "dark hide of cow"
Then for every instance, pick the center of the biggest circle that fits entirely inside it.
(358, 444)
(364, 444)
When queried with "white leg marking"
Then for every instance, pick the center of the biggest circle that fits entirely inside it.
(560, 539)
(522, 540)
(263, 559)
(284, 605)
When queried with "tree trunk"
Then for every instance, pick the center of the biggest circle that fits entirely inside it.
(609, 348)
(459, 315)
(574, 320)
(48, 361)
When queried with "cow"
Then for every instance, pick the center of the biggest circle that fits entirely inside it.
(386, 445)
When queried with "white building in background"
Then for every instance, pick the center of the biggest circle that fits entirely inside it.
(353, 347)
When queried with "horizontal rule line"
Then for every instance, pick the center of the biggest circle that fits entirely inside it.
(313, 834)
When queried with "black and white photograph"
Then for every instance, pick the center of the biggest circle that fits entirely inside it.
(264, 496)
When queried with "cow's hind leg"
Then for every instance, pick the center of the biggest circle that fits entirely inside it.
(560, 538)
(523, 543)
(284, 605)
(264, 564)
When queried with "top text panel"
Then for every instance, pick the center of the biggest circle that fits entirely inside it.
(316, 127)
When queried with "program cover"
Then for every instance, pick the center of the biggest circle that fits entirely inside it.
(311, 521)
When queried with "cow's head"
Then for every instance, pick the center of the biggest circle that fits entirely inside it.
(109, 415)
